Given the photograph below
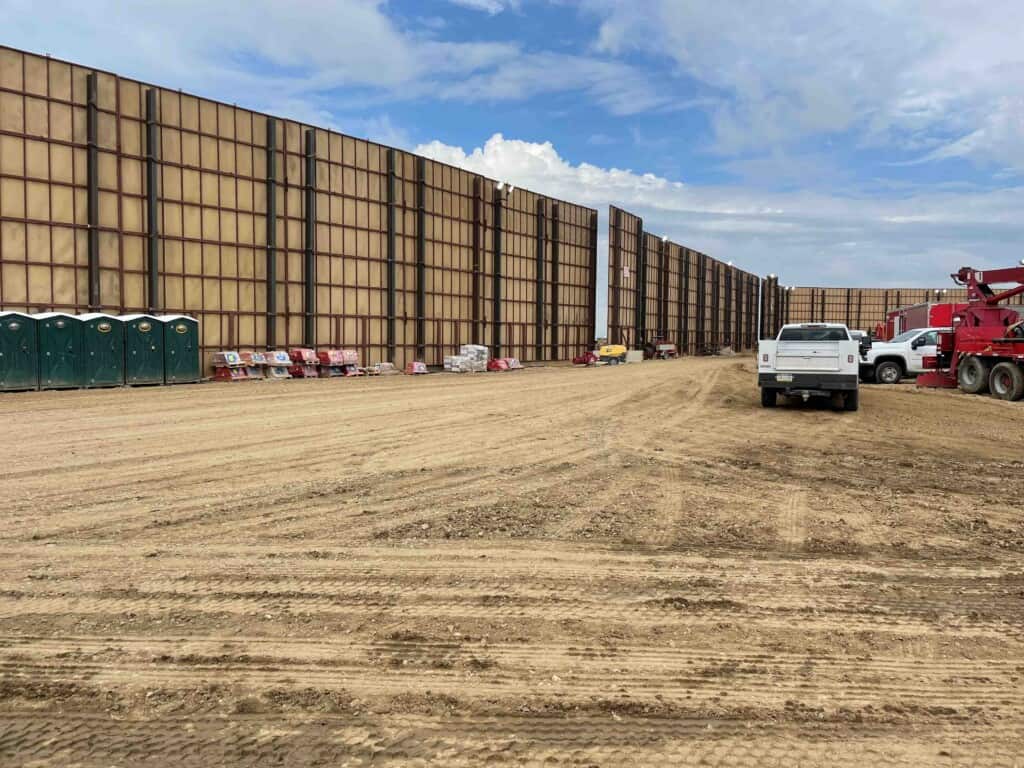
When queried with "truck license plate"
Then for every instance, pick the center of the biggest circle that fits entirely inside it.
(786, 378)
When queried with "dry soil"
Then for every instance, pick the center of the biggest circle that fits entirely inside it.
(619, 566)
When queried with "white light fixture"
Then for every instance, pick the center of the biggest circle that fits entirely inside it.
(501, 186)
(664, 239)
(511, 188)
(771, 277)
(729, 264)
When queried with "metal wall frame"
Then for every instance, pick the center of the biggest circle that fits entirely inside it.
(129, 197)
(685, 296)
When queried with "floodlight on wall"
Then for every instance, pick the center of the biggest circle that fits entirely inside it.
(664, 239)
(771, 277)
(501, 186)
(511, 188)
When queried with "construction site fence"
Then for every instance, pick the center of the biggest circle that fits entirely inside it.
(660, 290)
(858, 308)
(124, 197)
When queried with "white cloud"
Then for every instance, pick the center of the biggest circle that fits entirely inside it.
(492, 7)
(915, 239)
(910, 74)
(306, 54)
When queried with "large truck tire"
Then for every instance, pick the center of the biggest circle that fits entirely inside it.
(1007, 381)
(769, 398)
(852, 400)
(889, 372)
(973, 375)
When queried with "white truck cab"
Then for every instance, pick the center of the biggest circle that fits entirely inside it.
(889, 361)
(810, 360)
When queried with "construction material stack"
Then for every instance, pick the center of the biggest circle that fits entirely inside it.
(331, 363)
(304, 363)
(255, 364)
(278, 363)
(229, 366)
(472, 358)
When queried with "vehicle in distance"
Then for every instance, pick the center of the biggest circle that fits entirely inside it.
(887, 362)
(612, 353)
(810, 360)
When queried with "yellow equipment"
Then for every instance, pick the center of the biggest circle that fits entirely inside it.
(612, 353)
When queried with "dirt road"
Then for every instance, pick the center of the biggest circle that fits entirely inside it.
(606, 567)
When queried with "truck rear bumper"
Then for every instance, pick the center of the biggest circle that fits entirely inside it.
(810, 382)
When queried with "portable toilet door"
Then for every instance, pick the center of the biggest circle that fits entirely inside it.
(102, 350)
(143, 350)
(19, 353)
(181, 349)
(60, 350)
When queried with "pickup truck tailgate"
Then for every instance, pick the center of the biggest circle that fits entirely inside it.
(807, 356)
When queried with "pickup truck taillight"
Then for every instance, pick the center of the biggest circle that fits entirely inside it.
(849, 358)
(764, 358)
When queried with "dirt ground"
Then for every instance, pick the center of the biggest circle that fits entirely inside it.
(619, 566)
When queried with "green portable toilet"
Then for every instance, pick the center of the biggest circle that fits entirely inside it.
(181, 349)
(19, 353)
(143, 350)
(102, 350)
(59, 336)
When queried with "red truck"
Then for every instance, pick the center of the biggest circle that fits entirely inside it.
(926, 315)
(984, 349)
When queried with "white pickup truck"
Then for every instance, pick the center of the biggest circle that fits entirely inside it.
(889, 361)
(810, 360)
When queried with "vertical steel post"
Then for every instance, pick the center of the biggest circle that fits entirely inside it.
(478, 222)
(727, 310)
(762, 291)
(681, 286)
(271, 233)
(309, 273)
(615, 264)
(538, 346)
(391, 276)
(499, 199)
(421, 258)
(593, 281)
(152, 220)
(92, 193)
(556, 267)
(684, 342)
(640, 322)
(662, 314)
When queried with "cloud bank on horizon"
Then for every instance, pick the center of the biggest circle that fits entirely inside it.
(873, 142)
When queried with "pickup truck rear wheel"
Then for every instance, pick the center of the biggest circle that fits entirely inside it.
(1007, 381)
(972, 375)
(852, 400)
(889, 372)
(769, 398)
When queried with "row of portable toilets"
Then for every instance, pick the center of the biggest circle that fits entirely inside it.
(54, 350)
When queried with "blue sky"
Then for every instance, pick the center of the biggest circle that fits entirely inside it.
(877, 142)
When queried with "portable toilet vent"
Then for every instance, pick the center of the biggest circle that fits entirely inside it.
(19, 352)
(59, 336)
(181, 349)
(102, 350)
(143, 349)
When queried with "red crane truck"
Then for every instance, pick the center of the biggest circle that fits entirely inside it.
(984, 350)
